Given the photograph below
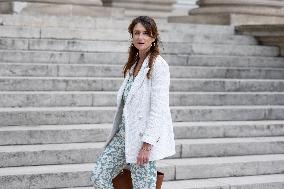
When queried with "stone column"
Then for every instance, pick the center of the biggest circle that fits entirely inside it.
(238, 12)
(54, 7)
(187, 3)
(182, 7)
(146, 5)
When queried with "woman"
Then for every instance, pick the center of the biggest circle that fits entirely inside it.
(142, 129)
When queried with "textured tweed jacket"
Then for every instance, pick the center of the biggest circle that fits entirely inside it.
(147, 113)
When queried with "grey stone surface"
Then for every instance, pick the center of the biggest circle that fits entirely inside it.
(112, 84)
(47, 99)
(53, 57)
(48, 134)
(62, 57)
(229, 85)
(228, 166)
(105, 23)
(76, 115)
(63, 8)
(62, 84)
(86, 115)
(49, 154)
(238, 98)
(271, 34)
(64, 175)
(228, 129)
(115, 46)
(113, 70)
(89, 98)
(227, 113)
(58, 82)
(56, 154)
(121, 35)
(56, 176)
(273, 181)
(54, 134)
(231, 146)
(44, 154)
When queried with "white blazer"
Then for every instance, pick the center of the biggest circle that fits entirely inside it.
(147, 113)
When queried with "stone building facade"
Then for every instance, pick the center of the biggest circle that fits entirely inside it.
(161, 8)
(193, 11)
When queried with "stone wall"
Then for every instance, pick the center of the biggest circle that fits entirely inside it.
(55, 7)
(118, 8)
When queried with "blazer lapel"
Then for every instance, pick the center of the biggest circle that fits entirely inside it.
(138, 80)
(121, 89)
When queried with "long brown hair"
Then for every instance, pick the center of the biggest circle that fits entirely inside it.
(151, 27)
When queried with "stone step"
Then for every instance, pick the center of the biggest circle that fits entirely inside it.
(229, 146)
(113, 34)
(217, 99)
(227, 129)
(273, 181)
(72, 175)
(89, 98)
(113, 84)
(52, 57)
(102, 70)
(122, 47)
(191, 168)
(51, 154)
(104, 23)
(89, 115)
(51, 134)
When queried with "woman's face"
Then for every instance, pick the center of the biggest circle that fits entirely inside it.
(141, 38)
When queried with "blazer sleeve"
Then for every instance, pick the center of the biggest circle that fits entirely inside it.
(159, 102)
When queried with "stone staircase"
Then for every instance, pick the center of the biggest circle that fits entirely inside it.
(58, 82)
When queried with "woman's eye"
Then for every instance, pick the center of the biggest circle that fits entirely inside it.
(145, 33)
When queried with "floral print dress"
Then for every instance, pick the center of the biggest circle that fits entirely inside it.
(112, 160)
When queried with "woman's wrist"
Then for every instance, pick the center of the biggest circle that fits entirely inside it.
(146, 147)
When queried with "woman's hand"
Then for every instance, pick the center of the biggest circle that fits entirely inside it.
(144, 154)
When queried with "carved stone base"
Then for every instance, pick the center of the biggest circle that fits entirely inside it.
(156, 5)
(201, 19)
(253, 7)
(232, 19)
(235, 12)
(271, 34)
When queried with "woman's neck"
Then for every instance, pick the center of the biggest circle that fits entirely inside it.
(142, 56)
